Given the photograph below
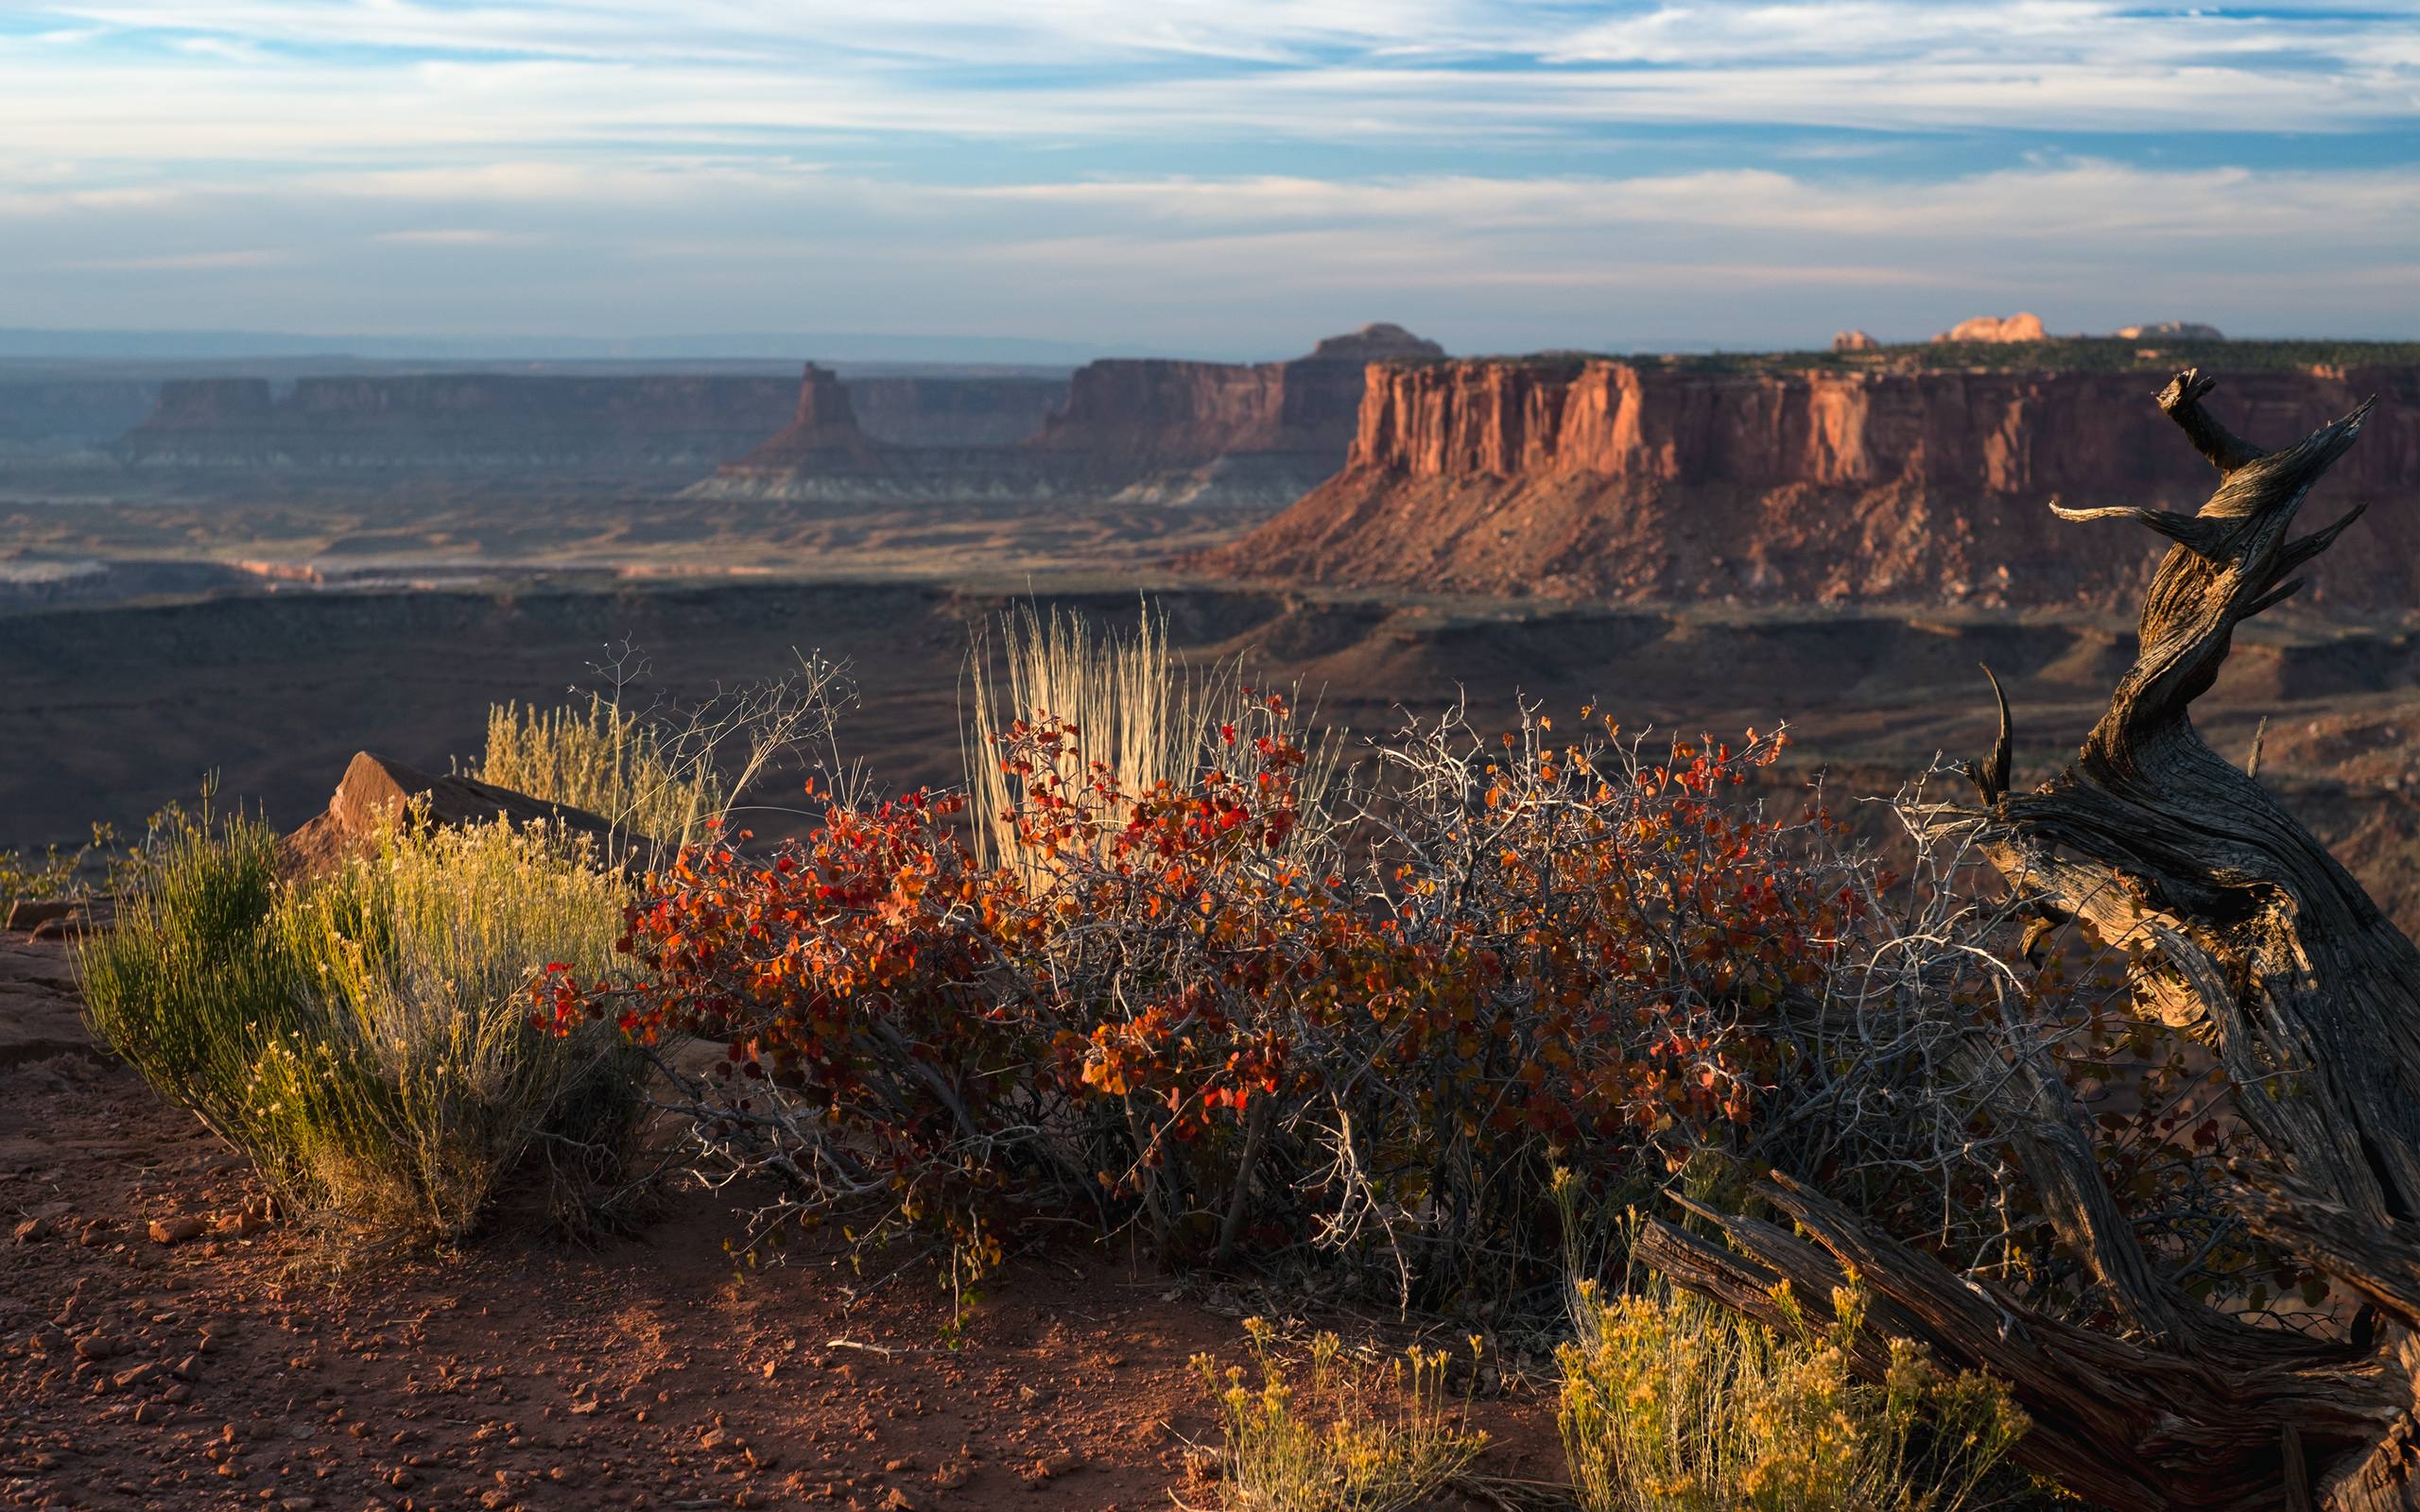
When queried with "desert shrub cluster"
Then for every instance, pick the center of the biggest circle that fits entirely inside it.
(364, 1040)
(1355, 1030)
(1419, 1025)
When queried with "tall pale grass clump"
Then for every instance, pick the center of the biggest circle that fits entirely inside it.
(607, 760)
(1141, 715)
(1371, 1439)
(1671, 1403)
(366, 1040)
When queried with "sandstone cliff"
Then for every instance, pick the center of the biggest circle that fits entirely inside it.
(1606, 481)
(2022, 326)
(1142, 430)
(953, 411)
(39, 414)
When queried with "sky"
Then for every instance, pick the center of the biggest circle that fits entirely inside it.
(1230, 177)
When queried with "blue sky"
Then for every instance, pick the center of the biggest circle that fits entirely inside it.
(1228, 176)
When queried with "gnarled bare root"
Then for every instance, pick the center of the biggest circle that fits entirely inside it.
(2247, 935)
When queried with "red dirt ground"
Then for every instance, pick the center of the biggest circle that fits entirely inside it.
(226, 1371)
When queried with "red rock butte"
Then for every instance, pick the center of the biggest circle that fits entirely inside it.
(1607, 481)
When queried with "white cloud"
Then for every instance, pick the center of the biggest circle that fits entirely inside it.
(184, 262)
(451, 236)
(943, 164)
(319, 80)
(1732, 255)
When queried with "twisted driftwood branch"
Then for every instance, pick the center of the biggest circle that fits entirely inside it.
(2247, 935)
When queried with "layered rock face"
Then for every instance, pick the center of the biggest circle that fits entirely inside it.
(949, 411)
(1145, 430)
(68, 414)
(483, 421)
(1605, 481)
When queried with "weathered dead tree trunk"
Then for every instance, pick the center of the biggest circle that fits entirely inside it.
(2243, 932)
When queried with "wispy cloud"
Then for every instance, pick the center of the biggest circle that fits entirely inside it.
(1068, 162)
(183, 262)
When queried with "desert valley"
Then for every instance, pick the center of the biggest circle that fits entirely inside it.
(211, 566)
(229, 583)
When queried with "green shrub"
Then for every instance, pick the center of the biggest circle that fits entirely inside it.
(56, 873)
(196, 978)
(419, 1085)
(1671, 1403)
(606, 760)
(1387, 1439)
(366, 1040)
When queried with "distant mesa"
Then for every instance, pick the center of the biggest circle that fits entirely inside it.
(2171, 331)
(2022, 326)
(1854, 342)
(1380, 341)
(1146, 430)
(470, 420)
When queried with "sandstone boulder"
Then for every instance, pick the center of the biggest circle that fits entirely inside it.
(375, 790)
(1854, 342)
(2021, 326)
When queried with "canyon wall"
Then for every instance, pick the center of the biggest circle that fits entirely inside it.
(1608, 481)
(459, 421)
(953, 411)
(69, 414)
(1132, 430)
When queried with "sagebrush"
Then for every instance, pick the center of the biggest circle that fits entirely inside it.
(1344, 1435)
(1672, 1403)
(364, 1040)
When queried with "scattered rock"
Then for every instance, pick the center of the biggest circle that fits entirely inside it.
(32, 1230)
(26, 913)
(1050, 1467)
(175, 1230)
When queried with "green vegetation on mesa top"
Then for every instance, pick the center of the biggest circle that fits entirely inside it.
(2056, 354)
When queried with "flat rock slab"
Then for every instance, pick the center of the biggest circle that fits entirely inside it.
(40, 1013)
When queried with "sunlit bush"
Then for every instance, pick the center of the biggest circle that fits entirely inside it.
(414, 1084)
(1364, 1031)
(1671, 1403)
(365, 1039)
(1344, 1436)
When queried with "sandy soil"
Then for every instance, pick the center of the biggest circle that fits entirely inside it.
(252, 1371)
